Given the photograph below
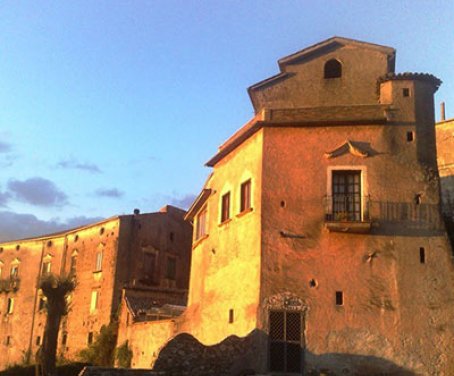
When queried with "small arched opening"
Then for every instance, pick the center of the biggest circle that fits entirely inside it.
(333, 69)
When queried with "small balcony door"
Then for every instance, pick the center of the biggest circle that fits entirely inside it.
(346, 192)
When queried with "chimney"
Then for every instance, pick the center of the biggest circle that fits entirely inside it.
(442, 111)
(136, 211)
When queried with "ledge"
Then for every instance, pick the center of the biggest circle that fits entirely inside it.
(225, 222)
(199, 240)
(349, 227)
(244, 212)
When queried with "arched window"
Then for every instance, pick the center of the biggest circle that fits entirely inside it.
(333, 69)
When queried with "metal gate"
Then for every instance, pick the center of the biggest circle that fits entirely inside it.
(285, 347)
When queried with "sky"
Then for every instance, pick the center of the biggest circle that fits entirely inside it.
(107, 106)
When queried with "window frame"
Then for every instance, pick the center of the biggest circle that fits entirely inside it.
(73, 265)
(46, 268)
(246, 196)
(225, 207)
(94, 301)
(98, 261)
(364, 187)
(10, 306)
(14, 271)
(171, 268)
(347, 200)
(149, 266)
(201, 223)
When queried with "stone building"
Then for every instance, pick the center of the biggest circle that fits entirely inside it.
(149, 253)
(445, 148)
(319, 231)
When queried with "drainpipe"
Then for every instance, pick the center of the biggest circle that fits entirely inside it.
(442, 111)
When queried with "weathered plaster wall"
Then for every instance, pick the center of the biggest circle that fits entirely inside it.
(306, 86)
(145, 339)
(81, 320)
(164, 234)
(445, 148)
(122, 241)
(225, 270)
(16, 327)
(395, 308)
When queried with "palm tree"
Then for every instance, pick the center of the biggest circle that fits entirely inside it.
(55, 289)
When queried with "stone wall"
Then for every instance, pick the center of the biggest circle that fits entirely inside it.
(186, 356)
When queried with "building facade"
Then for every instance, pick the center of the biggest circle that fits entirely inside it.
(148, 252)
(320, 225)
(445, 148)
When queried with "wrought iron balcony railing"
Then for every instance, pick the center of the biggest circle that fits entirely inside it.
(347, 208)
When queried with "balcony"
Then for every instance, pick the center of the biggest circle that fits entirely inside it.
(347, 213)
(9, 285)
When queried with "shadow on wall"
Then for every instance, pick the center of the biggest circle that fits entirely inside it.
(234, 356)
(420, 219)
(447, 194)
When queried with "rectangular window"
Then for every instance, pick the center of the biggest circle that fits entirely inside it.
(10, 306)
(149, 262)
(231, 316)
(14, 272)
(339, 298)
(406, 92)
(225, 207)
(90, 338)
(8, 341)
(46, 269)
(38, 340)
(72, 269)
(245, 203)
(171, 271)
(98, 266)
(410, 136)
(422, 255)
(346, 195)
(94, 301)
(64, 338)
(201, 224)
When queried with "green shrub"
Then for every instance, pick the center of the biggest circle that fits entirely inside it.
(124, 355)
(101, 352)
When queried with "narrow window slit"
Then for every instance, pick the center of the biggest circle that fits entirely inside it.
(410, 136)
(339, 298)
(422, 255)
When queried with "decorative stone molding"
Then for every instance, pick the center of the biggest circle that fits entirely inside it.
(347, 146)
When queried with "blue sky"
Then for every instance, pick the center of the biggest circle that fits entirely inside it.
(107, 106)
